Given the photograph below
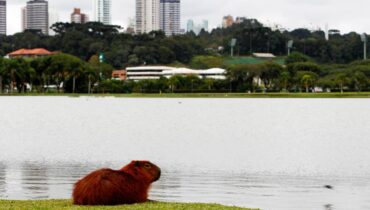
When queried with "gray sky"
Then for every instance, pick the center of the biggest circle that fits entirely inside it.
(339, 14)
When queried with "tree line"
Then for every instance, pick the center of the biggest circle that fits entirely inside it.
(315, 62)
(122, 50)
(64, 73)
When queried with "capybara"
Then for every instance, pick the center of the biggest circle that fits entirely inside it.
(110, 187)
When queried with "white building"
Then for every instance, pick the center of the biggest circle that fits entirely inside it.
(3, 17)
(156, 72)
(147, 16)
(102, 11)
(170, 16)
(146, 72)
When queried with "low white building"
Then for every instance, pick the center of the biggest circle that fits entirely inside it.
(214, 73)
(180, 71)
(156, 72)
(146, 72)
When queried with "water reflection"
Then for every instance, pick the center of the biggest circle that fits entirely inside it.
(35, 180)
(2, 179)
(271, 153)
(328, 207)
(278, 192)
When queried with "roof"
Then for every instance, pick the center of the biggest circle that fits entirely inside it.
(36, 51)
(214, 71)
(146, 68)
(180, 71)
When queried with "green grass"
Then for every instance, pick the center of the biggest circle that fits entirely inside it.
(252, 60)
(218, 95)
(67, 205)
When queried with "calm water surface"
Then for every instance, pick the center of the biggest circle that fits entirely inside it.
(275, 154)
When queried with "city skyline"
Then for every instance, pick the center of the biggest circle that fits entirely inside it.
(288, 14)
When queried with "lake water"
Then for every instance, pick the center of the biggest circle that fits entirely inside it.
(275, 154)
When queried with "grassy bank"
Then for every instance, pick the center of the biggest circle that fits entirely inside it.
(216, 95)
(67, 205)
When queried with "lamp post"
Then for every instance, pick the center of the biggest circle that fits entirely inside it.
(364, 40)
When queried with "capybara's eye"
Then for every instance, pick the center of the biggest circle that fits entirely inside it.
(147, 165)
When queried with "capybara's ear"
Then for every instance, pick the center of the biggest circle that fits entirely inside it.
(137, 163)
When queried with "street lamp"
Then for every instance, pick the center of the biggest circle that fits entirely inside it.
(364, 40)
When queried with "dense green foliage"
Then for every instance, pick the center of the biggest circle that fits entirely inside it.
(86, 40)
(67, 205)
(64, 73)
(78, 69)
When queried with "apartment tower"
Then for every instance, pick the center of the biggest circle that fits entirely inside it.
(3, 17)
(36, 16)
(78, 17)
(170, 16)
(147, 16)
(102, 11)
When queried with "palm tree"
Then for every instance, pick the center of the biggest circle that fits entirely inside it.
(307, 81)
(284, 77)
(341, 80)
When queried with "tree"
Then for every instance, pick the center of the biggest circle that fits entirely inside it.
(284, 80)
(206, 62)
(307, 79)
(2, 71)
(360, 80)
(270, 73)
(296, 57)
(293, 68)
(341, 80)
(242, 76)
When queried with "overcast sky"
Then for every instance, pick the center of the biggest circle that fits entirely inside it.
(339, 14)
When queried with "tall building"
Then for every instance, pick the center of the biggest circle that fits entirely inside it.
(190, 26)
(204, 25)
(3, 17)
(36, 16)
(170, 16)
(24, 18)
(227, 21)
(78, 17)
(197, 28)
(102, 11)
(147, 16)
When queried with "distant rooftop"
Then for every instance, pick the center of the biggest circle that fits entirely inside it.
(30, 52)
(264, 55)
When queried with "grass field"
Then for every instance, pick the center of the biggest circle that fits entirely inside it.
(67, 205)
(217, 95)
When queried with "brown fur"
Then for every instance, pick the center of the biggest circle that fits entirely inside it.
(110, 187)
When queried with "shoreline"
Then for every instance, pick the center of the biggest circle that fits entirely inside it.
(67, 205)
(204, 95)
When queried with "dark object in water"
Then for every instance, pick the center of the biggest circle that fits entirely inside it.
(329, 187)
